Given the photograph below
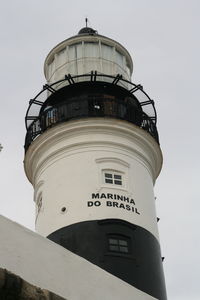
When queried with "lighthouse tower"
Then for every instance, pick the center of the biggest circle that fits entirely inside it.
(92, 155)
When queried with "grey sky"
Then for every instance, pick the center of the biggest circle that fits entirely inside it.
(163, 40)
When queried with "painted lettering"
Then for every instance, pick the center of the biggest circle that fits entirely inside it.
(126, 199)
(132, 202)
(95, 196)
(119, 197)
(113, 197)
(97, 203)
(103, 196)
(93, 203)
(122, 206)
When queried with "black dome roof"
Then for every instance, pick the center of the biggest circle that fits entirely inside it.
(87, 30)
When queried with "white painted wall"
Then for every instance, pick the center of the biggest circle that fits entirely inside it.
(52, 267)
(65, 166)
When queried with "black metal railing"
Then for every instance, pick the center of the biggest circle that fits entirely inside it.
(85, 107)
(93, 77)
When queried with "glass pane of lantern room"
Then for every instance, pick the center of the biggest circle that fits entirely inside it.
(72, 52)
(91, 49)
(119, 58)
(61, 57)
(51, 68)
(79, 50)
(107, 52)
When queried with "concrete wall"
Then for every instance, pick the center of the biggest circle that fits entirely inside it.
(12, 287)
(49, 266)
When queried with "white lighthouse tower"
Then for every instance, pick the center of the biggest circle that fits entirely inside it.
(92, 156)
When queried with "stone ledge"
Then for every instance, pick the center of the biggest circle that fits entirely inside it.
(12, 287)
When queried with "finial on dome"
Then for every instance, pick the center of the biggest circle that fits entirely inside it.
(86, 29)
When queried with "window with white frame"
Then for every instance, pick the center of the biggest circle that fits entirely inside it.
(113, 177)
(113, 173)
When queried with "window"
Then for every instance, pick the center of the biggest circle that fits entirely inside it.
(119, 58)
(107, 52)
(91, 49)
(51, 67)
(75, 51)
(118, 244)
(113, 178)
(113, 172)
(61, 57)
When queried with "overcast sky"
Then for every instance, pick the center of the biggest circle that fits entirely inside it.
(163, 40)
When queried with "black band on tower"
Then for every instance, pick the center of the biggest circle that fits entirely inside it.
(125, 250)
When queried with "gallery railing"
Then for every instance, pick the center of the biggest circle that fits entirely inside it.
(85, 107)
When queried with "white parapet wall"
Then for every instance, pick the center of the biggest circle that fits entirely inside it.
(50, 266)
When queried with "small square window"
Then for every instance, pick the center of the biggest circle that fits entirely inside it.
(118, 244)
(113, 178)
